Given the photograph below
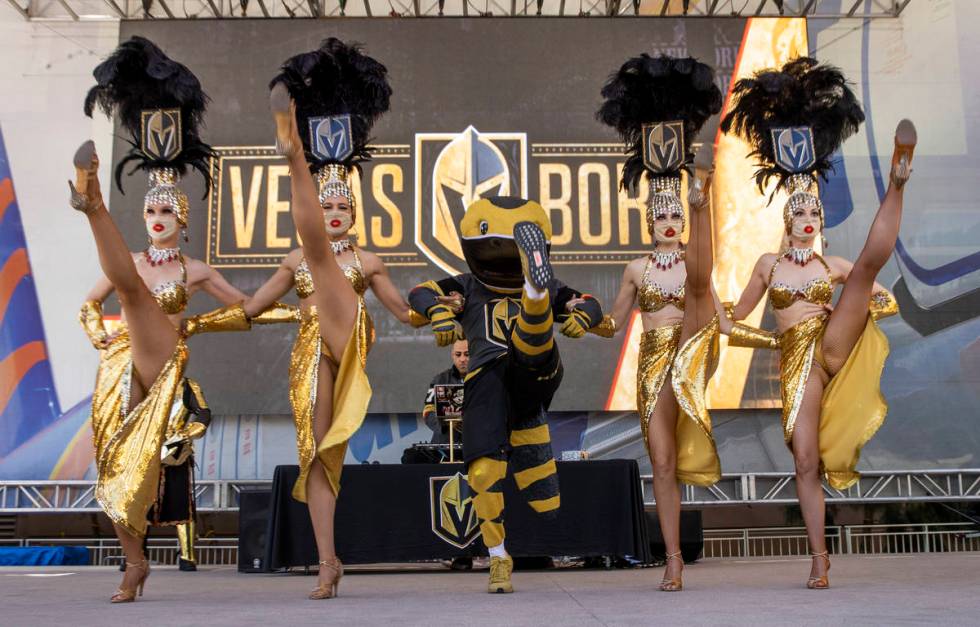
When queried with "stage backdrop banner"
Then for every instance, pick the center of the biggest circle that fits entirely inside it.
(480, 107)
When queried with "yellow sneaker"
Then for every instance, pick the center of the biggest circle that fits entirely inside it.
(500, 570)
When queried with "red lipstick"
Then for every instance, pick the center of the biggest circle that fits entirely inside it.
(335, 223)
(808, 229)
(670, 232)
(158, 228)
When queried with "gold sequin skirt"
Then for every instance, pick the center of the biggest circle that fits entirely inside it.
(658, 347)
(696, 360)
(351, 395)
(852, 408)
(128, 440)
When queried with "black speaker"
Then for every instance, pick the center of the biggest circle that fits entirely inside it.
(253, 522)
(692, 536)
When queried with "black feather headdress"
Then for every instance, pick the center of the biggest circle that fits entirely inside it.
(138, 77)
(647, 90)
(336, 79)
(801, 93)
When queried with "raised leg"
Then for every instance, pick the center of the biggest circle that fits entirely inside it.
(663, 457)
(152, 335)
(335, 299)
(699, 306)
(850, 316)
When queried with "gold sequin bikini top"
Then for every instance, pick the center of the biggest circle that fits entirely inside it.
(303, 280)
(653, 297)
(172, 295)
(818, 291)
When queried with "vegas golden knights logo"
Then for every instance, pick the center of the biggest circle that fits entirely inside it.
(663, 146)
(793, 148)
(451, 171)
(500, 317)
(160, 133)
(453, 515)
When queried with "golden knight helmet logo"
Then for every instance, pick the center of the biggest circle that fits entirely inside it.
(453, 515)
(470, 166)
(160, 133)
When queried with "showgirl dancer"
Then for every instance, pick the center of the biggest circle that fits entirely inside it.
(142, 404)
(334, 94)
(831, 357)
(658, 106)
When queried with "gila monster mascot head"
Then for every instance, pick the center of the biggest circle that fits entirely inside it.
(487, 237)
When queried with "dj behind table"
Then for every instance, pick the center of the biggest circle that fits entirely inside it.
(441, 412)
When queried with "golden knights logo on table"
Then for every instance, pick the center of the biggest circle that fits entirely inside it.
(410, 197)
(453, 516)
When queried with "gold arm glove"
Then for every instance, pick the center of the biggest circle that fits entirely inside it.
(883, 304)
(416, 319)
(744, 336)
(606, 328)
(277, 313)
(229, 318)
(90, 317)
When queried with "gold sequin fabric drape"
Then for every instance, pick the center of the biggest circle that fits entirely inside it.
(351, 395)
(852, 408)
(697, 456)
(658, 347)
(128, 439)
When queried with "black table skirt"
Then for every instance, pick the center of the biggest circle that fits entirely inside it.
(384, 514)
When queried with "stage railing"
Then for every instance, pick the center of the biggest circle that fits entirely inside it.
(779, 488)
(773, 488)
(22, 497)
(849, 539)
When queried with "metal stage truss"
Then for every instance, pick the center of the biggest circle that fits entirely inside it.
(768, 488)
(93, 10)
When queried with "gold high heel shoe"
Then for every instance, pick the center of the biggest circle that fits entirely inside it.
(128, 595)
(283, 112)
(676, 584)
(906, 138)
(822, 582)
(86, 196)
(329, 590)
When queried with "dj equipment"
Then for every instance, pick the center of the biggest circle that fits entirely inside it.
(426, 453)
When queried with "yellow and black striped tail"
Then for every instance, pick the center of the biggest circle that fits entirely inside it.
(533, 335)
(486, 479)
(533, 464)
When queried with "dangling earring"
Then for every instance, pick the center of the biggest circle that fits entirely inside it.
(183, 231)
(823, 241)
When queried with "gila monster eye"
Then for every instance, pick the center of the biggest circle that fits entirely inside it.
(484, 227)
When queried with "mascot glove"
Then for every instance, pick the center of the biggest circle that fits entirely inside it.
(444, 325)
(576, 324)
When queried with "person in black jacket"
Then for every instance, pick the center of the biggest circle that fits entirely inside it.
(450, 376)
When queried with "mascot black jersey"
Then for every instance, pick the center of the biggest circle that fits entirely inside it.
(506, 307)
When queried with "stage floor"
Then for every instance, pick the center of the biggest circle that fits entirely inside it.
(867, 591)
